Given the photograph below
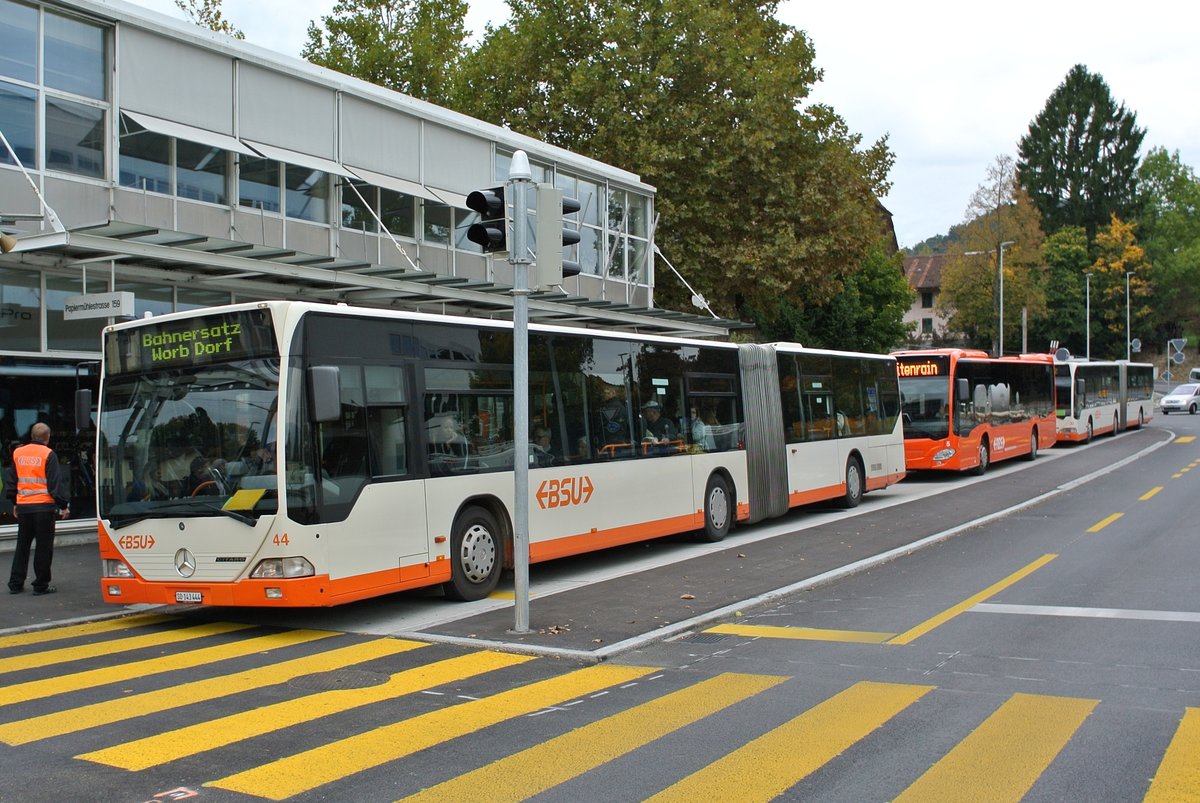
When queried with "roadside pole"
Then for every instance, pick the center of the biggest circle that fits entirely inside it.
(520, 178)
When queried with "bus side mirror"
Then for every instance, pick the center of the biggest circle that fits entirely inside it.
(962, 390)
(83, 409)
(324, 393)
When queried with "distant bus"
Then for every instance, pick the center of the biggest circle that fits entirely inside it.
(1096, 397)
(963, 410)
(296, 454)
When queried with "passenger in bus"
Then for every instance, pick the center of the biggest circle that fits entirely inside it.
(613, 424)
(539, 448)
(702, 422)
(200, 479)
(149, 485)
(657, 428)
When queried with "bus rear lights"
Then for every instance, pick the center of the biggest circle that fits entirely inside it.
(278, 568)
(943, 454)
(115, 568)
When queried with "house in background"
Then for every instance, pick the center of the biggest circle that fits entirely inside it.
(924, 275)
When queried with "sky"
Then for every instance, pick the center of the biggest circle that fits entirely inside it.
(953, 85)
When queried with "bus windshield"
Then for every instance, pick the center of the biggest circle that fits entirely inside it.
(925, 402)
(196, 441)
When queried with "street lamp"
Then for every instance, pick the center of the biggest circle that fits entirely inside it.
(998, 291)
(1088, 313)
(1128, 349)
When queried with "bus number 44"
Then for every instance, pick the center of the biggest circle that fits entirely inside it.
(564, 492)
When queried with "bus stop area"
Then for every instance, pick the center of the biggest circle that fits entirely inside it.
(595, 620)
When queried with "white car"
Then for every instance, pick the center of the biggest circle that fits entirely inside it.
(1182, 398)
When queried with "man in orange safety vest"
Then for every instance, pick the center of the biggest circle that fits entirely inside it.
(35, 484)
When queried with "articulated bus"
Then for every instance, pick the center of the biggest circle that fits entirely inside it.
(1096, 397)
(963, 410)
(296, 454)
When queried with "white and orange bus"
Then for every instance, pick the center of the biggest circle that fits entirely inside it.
(1099, 397)
(963, 410)
(294, 454)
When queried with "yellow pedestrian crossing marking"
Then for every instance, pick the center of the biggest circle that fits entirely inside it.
(801, 633)
(94, 649)
(155, 750)
(999, 760)
(313, 768)
(153, 702)
(1178, 776)
(1008, 752)
(766, 767)
(47, 687)
(88, 629)
(533, 771)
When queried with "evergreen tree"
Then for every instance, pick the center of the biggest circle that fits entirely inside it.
(1078, 162)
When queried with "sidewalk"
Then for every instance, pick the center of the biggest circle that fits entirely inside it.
(76, 575)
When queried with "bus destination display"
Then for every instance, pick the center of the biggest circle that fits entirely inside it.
(197, 341)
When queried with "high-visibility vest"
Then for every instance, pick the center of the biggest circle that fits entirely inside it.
(32, 488)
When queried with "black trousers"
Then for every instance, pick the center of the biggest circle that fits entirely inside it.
(36, 529)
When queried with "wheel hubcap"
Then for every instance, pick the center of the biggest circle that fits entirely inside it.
(718, 509)
(478, 553)
(853, 481)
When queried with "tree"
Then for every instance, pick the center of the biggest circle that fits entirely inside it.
(411, 46)
(1066, 260)
(999, 212)
(868, 315)
(207, 14)
(1078, 161)
(1118, 255)
(1169, 230)
(761, 195)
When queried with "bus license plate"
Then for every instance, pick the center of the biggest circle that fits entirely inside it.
(188, 596)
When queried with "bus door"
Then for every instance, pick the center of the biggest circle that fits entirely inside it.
(369, 477)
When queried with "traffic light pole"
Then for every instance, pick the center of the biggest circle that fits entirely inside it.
(520, 179)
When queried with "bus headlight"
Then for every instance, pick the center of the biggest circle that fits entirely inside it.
(943, 454)
(275, 568)
(115, 568)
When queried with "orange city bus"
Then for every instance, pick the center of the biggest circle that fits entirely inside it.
(963, 410)
(296, 454)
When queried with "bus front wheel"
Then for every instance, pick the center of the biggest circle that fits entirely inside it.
(854, 483)
(985, 456)
(718, 510)
(475, 556)
(1033, 447)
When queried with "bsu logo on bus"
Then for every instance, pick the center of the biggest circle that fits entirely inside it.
(564, 492)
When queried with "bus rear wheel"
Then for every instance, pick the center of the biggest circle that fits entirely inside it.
(985, 457)
(854, 483)
(476, 549)
(718, 510)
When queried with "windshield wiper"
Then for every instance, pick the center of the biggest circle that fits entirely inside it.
(170, 510)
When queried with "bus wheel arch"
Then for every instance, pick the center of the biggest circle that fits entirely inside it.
(720, 507)
(480, 543)
(855, 481)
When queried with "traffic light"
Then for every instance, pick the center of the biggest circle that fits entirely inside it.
(491, 232)
(552, 238)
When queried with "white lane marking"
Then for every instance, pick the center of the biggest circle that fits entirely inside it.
(1087, 613)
